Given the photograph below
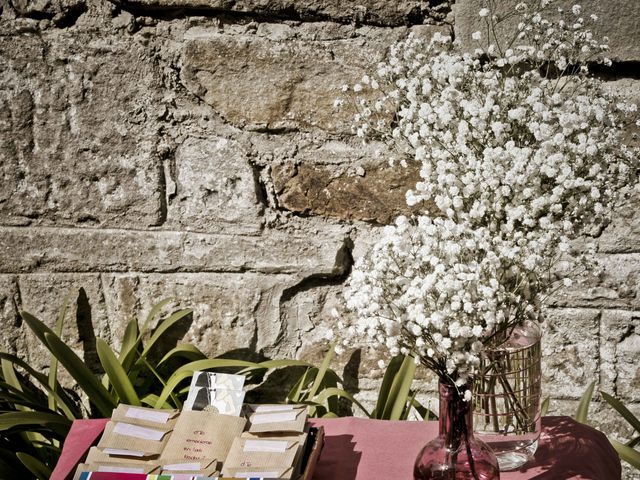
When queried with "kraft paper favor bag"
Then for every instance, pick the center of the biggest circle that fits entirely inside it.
(300, 439)
(146, 417)
(207, 468)
(127, 439)
(202, 436)
(261, 453)
(276, 418)
(96, 455)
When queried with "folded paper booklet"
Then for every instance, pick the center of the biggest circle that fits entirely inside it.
(145, 417)
(261, 453)
(192, 467)
(300, 439)
(276, 418)
(228, 402)
(202, 436)
(132, 440)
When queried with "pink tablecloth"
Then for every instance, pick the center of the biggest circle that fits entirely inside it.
(361, 449)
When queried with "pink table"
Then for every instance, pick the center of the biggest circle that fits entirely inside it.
(361, 449)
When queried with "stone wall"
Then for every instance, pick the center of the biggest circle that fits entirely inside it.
(190, 148)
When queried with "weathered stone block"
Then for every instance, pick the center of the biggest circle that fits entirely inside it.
(86, 250)
(376, 12)
(215, 188)
(619, 354)
(265, 83)
(12, 339)
(618, 285)
(622, 27)
(569, 350)
(86, 318)
(70, 155)
(377, 194)
(231, 312)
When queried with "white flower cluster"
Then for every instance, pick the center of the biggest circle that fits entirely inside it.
(521, 151)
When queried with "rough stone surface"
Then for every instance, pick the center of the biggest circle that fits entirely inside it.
(570, 351)
(617, 286)
(70, 250)
(266, 83)
(231, 312)
(69, 155)
(376, 195)
(624, 38)
(619, 347)
(214, 188)
(43, 295)
(12, 339)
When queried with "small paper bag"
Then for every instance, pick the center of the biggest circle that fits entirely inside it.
(202, 436)
(97, 455)
(193, 467)
(127, 439)
(146, 417)
(261, 453)
(276, 418)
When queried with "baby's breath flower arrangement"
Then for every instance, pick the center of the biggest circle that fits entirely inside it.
(521, 152)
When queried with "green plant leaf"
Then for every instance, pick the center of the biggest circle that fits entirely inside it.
(35, 466)
(324, 366)
(626, 453)
(117, 376)
(385, 387)
(154, 312)
(394, 397)
(163, 327)
(339, 393)
(622, 410)
(130, 341)
(22, 419)
(184, 350)
(583, 406)
(63, 401)
(97, 394)
(53, 361)
(544, 407)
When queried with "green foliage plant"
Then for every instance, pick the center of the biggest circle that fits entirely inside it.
(626, 451)
(36, 412)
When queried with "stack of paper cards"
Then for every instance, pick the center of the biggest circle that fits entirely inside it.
(215, 392)
(267, 457)
(203, 436)
(276, 418)
(137, 432)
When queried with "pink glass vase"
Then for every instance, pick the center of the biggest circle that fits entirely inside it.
(455, 454)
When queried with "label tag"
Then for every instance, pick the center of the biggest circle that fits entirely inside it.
(156, 417)
(114, 469)
(273, 408)
(276, 446)
(261, 418)
(122, 452)
(136, 431)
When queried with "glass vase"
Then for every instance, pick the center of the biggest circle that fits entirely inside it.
(455, 454)
(507, 396)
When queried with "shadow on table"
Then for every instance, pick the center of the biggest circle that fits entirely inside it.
(339, 460)
(571, 449)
